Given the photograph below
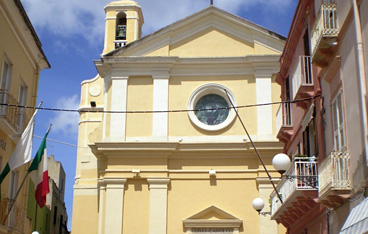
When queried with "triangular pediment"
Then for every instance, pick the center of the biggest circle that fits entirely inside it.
(212, 213)
(208, 33)
(212, 217)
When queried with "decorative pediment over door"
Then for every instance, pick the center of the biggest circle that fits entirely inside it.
(212, 220)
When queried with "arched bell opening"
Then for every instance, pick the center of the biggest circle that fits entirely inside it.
(121, 26)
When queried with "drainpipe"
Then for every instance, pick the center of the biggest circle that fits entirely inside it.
(361, 72)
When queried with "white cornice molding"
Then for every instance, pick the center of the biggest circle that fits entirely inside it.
(103, 150)
(175, 66)
(205, 223)
(247, 31)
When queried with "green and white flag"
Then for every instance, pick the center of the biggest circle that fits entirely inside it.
(22, 152)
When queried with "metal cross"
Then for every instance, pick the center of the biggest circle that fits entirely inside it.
(211, 2)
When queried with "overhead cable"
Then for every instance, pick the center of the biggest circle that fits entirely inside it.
(90, 110)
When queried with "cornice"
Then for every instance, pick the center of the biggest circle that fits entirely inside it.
(194, 66)
(198, 22)
(103, 150)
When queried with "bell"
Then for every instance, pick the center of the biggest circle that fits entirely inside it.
(121, 34)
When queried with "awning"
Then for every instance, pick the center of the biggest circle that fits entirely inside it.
(357, 221)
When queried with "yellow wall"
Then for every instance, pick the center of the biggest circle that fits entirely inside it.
(187, 197)
(140, 94)
(22, 66)
(211, 43)
(181, 88)
(136, 207)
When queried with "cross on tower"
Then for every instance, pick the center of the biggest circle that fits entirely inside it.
(211, 2)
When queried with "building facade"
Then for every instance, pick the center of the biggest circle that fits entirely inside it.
(21, 59)
(148, 163)
(323, 123)
(55, 198)
(52, 218)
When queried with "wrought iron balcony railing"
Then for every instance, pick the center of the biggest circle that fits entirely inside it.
(15, 116)
(325, 27)
(302, 79)
(302, 175)
(283, 116)
(334, 173)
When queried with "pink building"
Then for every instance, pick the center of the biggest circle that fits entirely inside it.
(323, 122)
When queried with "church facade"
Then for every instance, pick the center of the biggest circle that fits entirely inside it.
(161, 148)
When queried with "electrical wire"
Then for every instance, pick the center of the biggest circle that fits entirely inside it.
(60, 142)
(156, 111)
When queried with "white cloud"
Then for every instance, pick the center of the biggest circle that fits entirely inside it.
(86, 18)
(66, 122)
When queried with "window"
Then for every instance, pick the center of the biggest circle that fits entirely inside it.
(209, 109)
(6, 74)
(287, 104)
(213, 109)
(5, 84)
(338, 123)
(55, 215)
(22, 100)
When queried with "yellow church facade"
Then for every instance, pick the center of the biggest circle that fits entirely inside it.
(148, 163)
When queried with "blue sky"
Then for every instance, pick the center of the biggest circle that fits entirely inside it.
(71, 32)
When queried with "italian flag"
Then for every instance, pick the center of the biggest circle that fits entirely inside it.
(41, 175)
(22, 152)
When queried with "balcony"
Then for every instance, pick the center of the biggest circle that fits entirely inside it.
(297, 191)
(324, 35)
(302, 80)
(284, 129)
(15, 220)
(334, 180)
(12, 118)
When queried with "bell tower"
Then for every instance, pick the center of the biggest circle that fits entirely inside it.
(124, 21)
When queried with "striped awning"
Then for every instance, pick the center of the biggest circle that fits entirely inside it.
(357, 221)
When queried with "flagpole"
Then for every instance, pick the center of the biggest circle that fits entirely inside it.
(24, 179)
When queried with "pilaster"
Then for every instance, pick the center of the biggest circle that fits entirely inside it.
(160, 103)
(158, 205)
(119, 89)
(264, 113)
(114, 205)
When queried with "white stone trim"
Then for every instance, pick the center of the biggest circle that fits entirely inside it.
(101, 209)
(158, 205)
(206, 89)
(160, 103)
(264, 113)
(119, 89)
(114, 205)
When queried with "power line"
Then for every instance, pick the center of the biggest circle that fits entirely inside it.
(156, 111)
(60, 142)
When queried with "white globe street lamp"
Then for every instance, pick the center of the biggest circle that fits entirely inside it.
(281, 162)
(258, 204)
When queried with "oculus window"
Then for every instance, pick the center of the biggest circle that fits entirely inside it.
(213, 111)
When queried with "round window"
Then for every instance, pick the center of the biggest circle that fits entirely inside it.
(212, 109)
